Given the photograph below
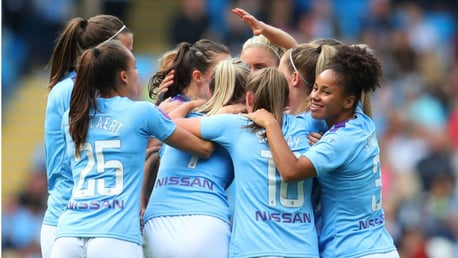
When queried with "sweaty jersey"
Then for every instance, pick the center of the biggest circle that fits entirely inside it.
(347, 163)
(108, 175)
(271, 217)
(58, 172)
(187, 185)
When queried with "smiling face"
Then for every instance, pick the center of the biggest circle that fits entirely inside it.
(328, 99)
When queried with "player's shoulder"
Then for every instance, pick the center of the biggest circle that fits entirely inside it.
(139, 105)
(228, 118)
(350, 132)
(293, 125)
(63, 87)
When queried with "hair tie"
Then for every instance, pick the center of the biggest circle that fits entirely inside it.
(84, 23)
(96, 52)
(196, 51)
(318, 49)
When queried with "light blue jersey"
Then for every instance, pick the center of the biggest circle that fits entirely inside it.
(108, 175)
(187, 185)
(347, 163)
(59, 176)
(311, 124)
(271, 217)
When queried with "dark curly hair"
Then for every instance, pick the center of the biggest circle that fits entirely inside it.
(358, 70)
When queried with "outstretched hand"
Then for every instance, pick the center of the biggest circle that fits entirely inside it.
(261, 117)
(255, 25)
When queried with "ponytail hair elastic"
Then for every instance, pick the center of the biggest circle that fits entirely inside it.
(83, 24)
(96, 52)
(318, 49)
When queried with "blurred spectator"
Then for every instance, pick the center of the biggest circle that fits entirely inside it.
(433, 211)
(412, 243)
(437, 162)
(349, 15)
(22, 214)
(317, 22)
(191, 23)
(439, 247)
(28, 30)
(237, 31)
(118, 8)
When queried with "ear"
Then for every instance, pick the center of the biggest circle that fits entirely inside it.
(349, 102)
(196, 75)
(296, 79)
(123, 76)
(249, 99)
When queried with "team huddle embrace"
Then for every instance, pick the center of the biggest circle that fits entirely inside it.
(269, 154)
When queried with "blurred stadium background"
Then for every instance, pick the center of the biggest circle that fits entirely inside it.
(416, 110)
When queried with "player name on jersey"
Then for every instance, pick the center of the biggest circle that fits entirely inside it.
(106, 123)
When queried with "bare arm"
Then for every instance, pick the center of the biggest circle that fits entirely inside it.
(191, 125)
(149, 174)
(274, 34)
(150, 170)
(290, 167)
(184, 109)
(186, 141)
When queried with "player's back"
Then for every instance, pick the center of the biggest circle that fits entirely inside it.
(188, 185)
(58, 174)
(267, 210)
(108, 173)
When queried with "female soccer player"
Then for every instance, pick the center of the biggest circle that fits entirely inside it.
(346, 160)
(188, 213)
(186, 78)
(192, 68)
(106, 135)
(271, 218)
(79, 34)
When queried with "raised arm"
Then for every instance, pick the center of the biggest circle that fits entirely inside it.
(290, 167)
(275, 35)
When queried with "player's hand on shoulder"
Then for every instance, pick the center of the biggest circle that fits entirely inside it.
(261, 117)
